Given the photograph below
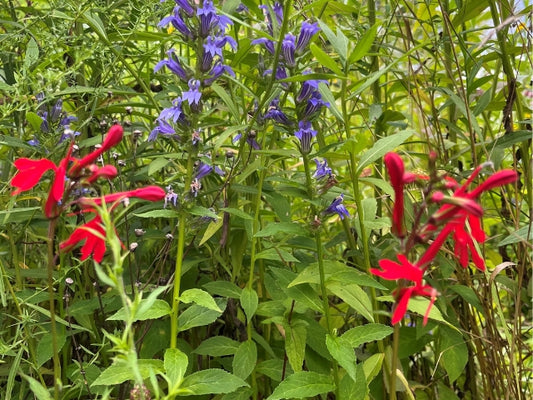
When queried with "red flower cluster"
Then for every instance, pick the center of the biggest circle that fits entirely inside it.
(70, 174)
(458, 217)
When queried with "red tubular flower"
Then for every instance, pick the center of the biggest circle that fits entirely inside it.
(29, 173)
(55, 197)
(396, 170)
(150, 193)
(405, 294)
(112, 138)
(391, 270)
(107, 172)
(93, 233)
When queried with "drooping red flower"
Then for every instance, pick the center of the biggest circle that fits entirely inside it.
(29, 173)
(111, 139)
(404, 295)
(107, 172)
(93, 233)
(391, 270)
(150, 193)
(55, 196)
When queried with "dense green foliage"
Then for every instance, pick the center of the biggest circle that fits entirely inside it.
(252, 279)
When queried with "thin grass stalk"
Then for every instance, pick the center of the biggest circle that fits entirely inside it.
(51, 307)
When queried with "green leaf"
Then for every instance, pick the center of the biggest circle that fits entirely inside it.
(468, 294)
(226, 98)
(302, 293)
(249, 302)
(341, 350)
(197, 315)
(156, 165)
(158, 214)
(94, 21)
(217, 346)
(454, 352)
(175, 362)
(372, 366)
(200, 297)
(277, 254)
(122, 372)
(224, 288)
(364, 44)
(366, 333)
(272, 368)
(211, 381)
(524, 234)
(245, 359)
(324, 59)
(303, 384)
(157, 309)
(353, 390)
(45, 350)
(274, 228)
(381, 147)
(37, 388)
(295, 339)
(34, 120)
(339, 41)
(354, 296)
(32, 54)
(212, 228)
(328, 97)
(237, 213)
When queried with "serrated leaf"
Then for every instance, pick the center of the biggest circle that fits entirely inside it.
(381, 147)
(341, 350)
(158, 214)
(223, 288)
(211, 381)
(454, 352)
(302, 293)
(295, 340)
(372, 366)
(45, 350)
(217, 346)
(245, 359)
(249, 302)
(175, 362)
(279, 227)
(354, 296)
(122, 372)
(199, 297)
(32, 53)
(367, 333)
(197, 315)
(303, 384)
(159, 308)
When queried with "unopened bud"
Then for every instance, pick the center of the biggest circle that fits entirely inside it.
(139, 232)
(133, 246)
(129, 109)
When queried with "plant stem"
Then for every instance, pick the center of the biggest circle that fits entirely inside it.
(179, 257)
(53, 329)
(394, 362)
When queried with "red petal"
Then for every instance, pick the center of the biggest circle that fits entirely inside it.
(401, 306)
(500, 178)
(30, 172)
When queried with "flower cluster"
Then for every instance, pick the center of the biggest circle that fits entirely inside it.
(308, 101)
(204, 28)
(53, 120)
(458, 218)
(73, 175)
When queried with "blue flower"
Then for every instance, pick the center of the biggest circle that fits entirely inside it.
(275, 113)
(186, 7)
(164, 128)
(68, 134)
(202, 170)
(174, 113)
(34, 142)
(173, 64)
(178, 23)
(305, 134)
(288, 48)
(218, 69)
(308, 88)
(193, 95)
(56, 111)
(208, 17)
(337, 207)
(322, 169)
(307, 31)
(170, 197)
(269, 44)
(250, 139)
(313, 106)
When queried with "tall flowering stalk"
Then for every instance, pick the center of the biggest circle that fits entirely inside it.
(71, 177)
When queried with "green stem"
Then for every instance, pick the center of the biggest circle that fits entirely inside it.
(179, 258)
(394, 361)
(53, 329)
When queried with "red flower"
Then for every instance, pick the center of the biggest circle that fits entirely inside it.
(29, 173)
(93, 233)
(108, 172)
(407, 271)
(150, 193)
(112, 138)
(398, 178)
(55, 197)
